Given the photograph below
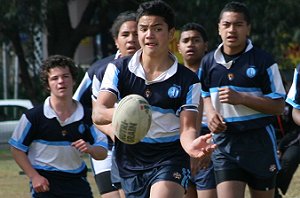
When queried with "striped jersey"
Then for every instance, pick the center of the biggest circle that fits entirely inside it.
(174, 90)
(253, 72)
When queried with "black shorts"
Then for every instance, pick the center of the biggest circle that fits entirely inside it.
(256, 183)
(104, 184)
(77, 187)
(251, 151)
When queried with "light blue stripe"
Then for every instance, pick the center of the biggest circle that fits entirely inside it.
(25, 131)
(161, 139)
(291, 102)
(189, 97)
(271, 78)
(54, 143)
(205, 94)
(161, 110)
(18, 145)
(83, 88)
(50, 168)
(235, 88)
(116, 77)
(245, 118)
(271, 131)
(275, 95)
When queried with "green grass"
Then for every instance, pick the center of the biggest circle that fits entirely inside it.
(15, 185)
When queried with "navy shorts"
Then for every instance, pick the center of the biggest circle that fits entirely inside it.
(139, 185)
(77, 187)
(249, 152)
(205, 179)
(256, 183)
(115, 176)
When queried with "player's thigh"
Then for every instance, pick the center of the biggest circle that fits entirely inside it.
(191, 191)
(262, 194)
(230, 189)
(209, 193)
(113, 194)
(166, 189)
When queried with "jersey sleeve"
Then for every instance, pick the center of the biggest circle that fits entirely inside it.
(293, 97)
(19, 138)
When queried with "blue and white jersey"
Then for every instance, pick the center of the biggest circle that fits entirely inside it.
(204, 118)
(83, 93)
(253, 72)
(293, 97)
(47, 140)
(174, 90)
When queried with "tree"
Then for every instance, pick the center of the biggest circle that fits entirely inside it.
(274, 27)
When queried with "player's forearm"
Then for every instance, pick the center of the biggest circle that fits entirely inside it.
(263, 104)
(98, 152)
(23, 162)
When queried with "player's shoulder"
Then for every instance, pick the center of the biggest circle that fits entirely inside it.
(99, 64)
(35, 113)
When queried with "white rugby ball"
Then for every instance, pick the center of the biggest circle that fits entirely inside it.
(132, 119)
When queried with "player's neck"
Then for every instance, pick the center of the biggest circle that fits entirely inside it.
(192, 66)
(154, 66)
(63, 108)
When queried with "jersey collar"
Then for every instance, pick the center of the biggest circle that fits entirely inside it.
(136, 67)
(50, 113)
(220, 58)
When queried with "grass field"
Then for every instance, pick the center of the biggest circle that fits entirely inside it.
(15, 185)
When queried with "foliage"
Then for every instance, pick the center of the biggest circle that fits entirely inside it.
(273, 27)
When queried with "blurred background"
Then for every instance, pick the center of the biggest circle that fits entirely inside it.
(31, 30)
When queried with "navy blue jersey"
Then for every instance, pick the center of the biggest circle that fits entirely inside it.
(293, 97)
(47, 141)
(253, 72)
(83, 93)
(175, 90)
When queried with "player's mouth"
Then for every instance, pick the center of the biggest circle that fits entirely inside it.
(190, 52)
(231, 38)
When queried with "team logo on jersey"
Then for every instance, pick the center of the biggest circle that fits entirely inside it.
(251, 71)
(81, 128)
(174, 91)
(64, 132)
(177, 175)
(148, 93)
(230, 76)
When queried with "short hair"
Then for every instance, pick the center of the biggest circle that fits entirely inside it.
(57, 61)
(238, 7)
(157, 8)
(118, 22)
(197, 27)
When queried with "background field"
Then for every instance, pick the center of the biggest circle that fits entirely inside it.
(14, 185)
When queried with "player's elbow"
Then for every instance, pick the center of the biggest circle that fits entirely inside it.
(279, 107)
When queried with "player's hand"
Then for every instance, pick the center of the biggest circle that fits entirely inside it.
(199, 164)
(40, 183)
(202, 147)
(216, 123)
(227, 95)
(82, 146)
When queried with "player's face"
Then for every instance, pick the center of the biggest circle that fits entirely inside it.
(127, 40)
(192, 47)
(60, 82)
(234, 31)
(154, 35)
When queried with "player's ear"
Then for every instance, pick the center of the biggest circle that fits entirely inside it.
(171, 34)
(249, 30)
